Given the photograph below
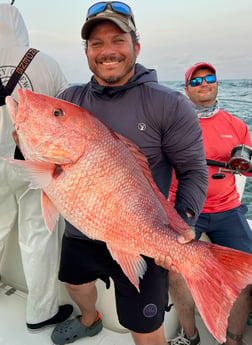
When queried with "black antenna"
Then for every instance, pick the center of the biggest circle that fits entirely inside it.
(12, 2)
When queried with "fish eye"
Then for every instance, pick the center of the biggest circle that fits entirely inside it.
(58, 112)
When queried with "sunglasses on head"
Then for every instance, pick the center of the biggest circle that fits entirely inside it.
(210, 79)
(115, 6)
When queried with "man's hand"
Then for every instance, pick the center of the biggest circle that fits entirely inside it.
(187, 236)
(166, 261)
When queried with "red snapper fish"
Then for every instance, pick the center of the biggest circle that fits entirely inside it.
(101, 183)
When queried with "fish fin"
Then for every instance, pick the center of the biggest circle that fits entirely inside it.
(67, 146)
(215, 286)
(133, 266)
(174, 219)
(49, 211)
(39, 174)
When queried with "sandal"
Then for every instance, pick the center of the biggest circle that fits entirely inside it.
(70, 330)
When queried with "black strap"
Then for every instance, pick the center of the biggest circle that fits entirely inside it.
(3, 93)
(12, 82)
(23, 64)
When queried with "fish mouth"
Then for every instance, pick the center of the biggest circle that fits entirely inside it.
(12, 107)
(15, 109)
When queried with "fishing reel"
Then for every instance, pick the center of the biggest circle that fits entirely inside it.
(240, 162)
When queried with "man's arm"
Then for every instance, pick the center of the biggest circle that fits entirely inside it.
(183, 147)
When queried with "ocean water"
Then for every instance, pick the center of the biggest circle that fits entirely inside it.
(235, 97)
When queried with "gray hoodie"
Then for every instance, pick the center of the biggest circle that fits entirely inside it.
(43, 75)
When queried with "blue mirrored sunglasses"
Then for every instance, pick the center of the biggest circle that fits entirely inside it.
(116, 6)
(210, 79)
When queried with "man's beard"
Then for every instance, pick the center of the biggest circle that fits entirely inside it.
(111, 80)
(116, 79)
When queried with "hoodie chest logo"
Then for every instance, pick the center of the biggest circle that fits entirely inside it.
(141, 126)
(6, 72)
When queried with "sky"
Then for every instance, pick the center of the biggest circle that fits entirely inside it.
(173, 35)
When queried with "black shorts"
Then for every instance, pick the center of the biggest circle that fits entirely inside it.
(83, 261)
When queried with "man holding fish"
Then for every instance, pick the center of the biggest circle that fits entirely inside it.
(127, 97)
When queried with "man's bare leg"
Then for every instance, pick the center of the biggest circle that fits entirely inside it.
(183, 303)
(85, 297)
(238, 317)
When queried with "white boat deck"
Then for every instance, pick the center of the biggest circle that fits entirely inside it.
(13, 330)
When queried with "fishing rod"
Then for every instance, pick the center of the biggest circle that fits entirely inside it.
(239, 162)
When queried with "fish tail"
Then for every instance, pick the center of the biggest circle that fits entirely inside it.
(216, 284)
